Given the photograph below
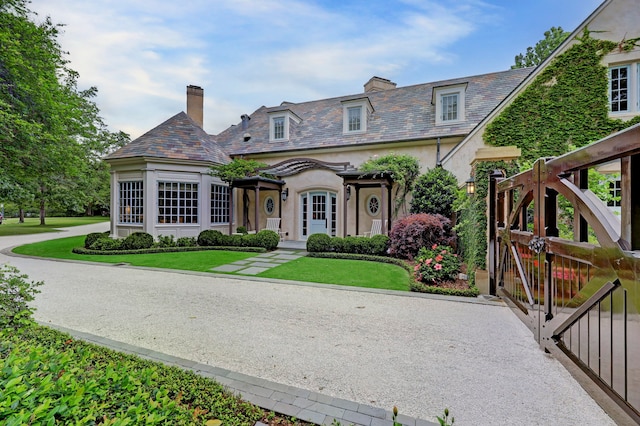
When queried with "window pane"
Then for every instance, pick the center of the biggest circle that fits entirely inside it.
(219, 204)
(618, 91)
(354, 114)
(177, 202)
(131, 202)
(450, 107)
(278, 128)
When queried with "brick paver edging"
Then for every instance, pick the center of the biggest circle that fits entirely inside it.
(288, 400)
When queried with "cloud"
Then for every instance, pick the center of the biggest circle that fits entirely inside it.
(246, 53)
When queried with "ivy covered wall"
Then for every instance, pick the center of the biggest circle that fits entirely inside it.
(566, 106)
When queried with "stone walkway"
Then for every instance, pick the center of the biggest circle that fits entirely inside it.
(260, 263)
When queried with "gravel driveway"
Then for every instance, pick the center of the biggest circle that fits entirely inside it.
(419, 353)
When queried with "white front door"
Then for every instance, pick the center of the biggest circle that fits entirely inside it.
(318, 213)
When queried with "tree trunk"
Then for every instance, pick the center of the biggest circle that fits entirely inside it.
(21, 215)
(42, 213)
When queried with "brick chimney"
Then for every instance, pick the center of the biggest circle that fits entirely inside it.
(195, 103)
(377, 84)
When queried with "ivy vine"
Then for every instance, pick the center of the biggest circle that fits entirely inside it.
(566, 105)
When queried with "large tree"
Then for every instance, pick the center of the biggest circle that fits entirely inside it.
(541, 51)
(50, 131)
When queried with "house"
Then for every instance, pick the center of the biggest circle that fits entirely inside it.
(161, 182)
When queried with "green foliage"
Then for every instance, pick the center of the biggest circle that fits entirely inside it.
(434, 192)
(436, 265)
(50, 378)
(107, 244)
(93, 237)
(541, 51)
(241, 230)
(267, 239)
(239, 168)
(444, 420)
(210, 238)
(403, 169)
(52, 137)
(15, 294)
(137, 241)
(318, 243)
(419, 287)
(166, 241)
(186, 242)
(566, 105)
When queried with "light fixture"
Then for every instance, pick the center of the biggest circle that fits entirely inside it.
(348, 192)
(285, 194)
(471, 186)
(127, 210)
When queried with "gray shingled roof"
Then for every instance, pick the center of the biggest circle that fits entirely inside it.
(178, 138)
(400, 114)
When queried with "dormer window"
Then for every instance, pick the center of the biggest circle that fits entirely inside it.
(279, 124)
(355, 113)
(449, 101)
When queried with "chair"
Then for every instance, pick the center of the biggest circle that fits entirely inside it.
(376, 228)
(273, 224)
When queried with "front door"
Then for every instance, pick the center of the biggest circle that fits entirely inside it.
(318, 223)
(318, 213)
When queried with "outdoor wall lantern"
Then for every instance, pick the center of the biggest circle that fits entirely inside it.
(285, 194)
(471, 186)
(348, 192)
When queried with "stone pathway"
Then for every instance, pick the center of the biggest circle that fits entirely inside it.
(260, 263)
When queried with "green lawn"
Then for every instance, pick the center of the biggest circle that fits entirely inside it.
(32, 225)
(357, 273)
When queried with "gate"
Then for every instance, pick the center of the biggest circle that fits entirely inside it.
(578, 294)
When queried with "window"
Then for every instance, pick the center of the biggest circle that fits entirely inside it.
(278, 128)
(269, 206)
(355, 114)
(615, 189)
(177, 202)
(373, 205)
(355, 118)
(619, 89)
(131, 202)
(280, 124)
(450, 103)
(219, 204)
(449, 107)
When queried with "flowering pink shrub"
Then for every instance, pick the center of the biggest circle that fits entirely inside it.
(410, 234)
(436, 265)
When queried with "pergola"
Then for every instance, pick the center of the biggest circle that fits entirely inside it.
(254, 183)
(358, 180)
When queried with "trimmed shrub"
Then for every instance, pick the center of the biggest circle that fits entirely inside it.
(137, 241)
(234, 240)
(241, 230)
(210, 238)
(378, 245)
(186, 242)
(267, 239)
(435, 192)
(93, 237)
(318, 243)
(107, 244)
(413, 232)
(166, 241)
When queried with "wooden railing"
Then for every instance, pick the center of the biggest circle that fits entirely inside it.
(578, 293)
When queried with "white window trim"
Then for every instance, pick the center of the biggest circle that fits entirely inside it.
(365, 110)
(440, 92)
(288, 117)
(633, 89)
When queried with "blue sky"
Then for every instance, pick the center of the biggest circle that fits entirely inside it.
(247, 53)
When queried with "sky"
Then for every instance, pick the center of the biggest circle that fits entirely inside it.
(142, 54)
